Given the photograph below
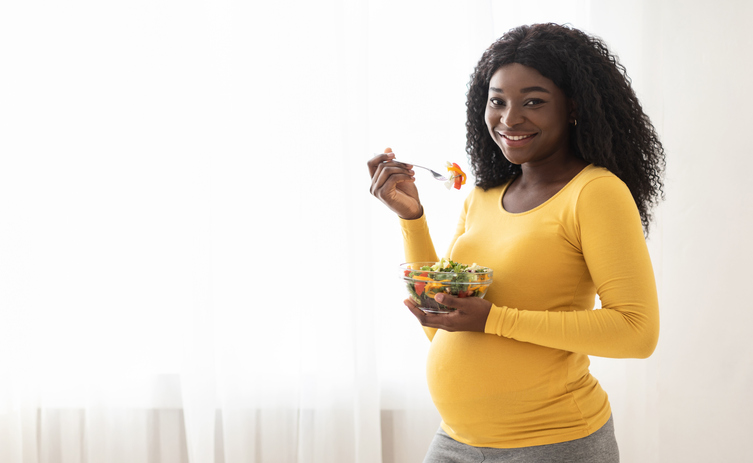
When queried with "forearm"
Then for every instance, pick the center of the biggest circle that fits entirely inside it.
(419, 248)
(627, 332)
(417, 241)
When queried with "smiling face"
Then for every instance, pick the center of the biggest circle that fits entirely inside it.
(528, 116)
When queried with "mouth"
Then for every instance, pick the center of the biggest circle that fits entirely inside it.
(516, 140)
(516, 137)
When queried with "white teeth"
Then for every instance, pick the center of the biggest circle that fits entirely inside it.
(515, 138)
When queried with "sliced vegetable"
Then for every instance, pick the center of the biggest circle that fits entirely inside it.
(420, 287)
(446, 276)
(457, 178)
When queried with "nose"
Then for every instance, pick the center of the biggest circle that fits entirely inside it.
(511, 116)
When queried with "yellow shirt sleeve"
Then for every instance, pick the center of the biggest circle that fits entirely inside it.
(615, 251)
(419, 246)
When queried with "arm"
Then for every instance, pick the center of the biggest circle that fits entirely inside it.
(419, 247)
(393, 184)
(613, 245)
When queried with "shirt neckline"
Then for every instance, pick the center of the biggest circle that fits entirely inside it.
(542, 205)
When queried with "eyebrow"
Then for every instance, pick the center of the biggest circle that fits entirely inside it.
(522, 90)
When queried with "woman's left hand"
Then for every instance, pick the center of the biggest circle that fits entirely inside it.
(470, 313)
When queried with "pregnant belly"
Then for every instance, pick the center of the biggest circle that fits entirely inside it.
(480, 382)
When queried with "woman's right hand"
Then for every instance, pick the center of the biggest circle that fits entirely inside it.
(393, 183)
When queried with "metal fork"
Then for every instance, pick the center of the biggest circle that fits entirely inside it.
(436, 175)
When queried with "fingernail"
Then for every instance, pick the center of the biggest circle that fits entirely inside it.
(439, 297)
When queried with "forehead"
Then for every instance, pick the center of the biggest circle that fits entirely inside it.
(516, 76)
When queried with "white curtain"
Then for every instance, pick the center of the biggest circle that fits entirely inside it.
(192, 269)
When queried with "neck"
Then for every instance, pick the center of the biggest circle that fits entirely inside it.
(550, 171)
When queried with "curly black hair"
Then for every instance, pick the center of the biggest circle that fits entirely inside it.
(612, 129)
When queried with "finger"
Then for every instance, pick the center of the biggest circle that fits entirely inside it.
(378, 159)
(411, 305)
(388, 175)
(395, 163)
(470, 314)
(430, 320)
(392, 190)
(422, 316)
(388, 157)
(463, 304)
(415, 310)
(405, 168)
(449, 300)
(387, 178)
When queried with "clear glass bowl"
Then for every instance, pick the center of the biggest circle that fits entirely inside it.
(423, 285)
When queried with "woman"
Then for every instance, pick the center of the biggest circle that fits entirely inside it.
(568, 167)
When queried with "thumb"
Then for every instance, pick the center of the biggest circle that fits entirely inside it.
(448, 300)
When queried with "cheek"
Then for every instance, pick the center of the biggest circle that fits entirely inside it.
(489, 119)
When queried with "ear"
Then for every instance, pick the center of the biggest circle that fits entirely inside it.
(572, 111)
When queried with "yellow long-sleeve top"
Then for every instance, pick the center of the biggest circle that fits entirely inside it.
(525, 381)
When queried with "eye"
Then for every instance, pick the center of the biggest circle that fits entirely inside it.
(496, 102)
(534, 102)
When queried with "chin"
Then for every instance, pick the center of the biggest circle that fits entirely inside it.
(512, 160)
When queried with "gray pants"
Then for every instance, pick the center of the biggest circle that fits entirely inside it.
(599, 447)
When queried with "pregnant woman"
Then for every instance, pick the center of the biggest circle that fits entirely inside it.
(567, 167)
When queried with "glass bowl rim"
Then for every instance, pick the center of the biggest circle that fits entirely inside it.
(403, 267)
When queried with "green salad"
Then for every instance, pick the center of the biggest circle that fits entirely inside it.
(446, 276)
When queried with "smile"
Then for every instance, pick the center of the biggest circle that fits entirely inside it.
(516, 137)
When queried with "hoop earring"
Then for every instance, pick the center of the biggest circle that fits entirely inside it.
(575, 122)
